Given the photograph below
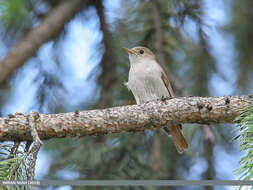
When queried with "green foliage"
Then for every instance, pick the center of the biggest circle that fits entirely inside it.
(241, 28)
(15, 15)
(246, 142)
(13, 164)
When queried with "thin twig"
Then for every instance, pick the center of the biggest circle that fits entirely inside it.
(33, 116)
(14, 148)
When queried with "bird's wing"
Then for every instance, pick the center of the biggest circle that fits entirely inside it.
(167, 84)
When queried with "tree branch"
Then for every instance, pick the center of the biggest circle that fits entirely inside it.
(151, 115)
(108, 64)
(53, 23)
(158, 31)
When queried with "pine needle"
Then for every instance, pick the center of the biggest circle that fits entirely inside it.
(245, 129)
(13, 166)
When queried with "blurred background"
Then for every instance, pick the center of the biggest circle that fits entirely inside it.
(205, 46)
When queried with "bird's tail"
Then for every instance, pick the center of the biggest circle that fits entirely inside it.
(178, 138)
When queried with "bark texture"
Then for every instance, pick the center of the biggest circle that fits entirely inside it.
(151, 115)
(48, 28)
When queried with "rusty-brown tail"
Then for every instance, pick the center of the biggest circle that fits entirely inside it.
(178, 138)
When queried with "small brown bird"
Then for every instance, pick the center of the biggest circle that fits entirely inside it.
(148, 81)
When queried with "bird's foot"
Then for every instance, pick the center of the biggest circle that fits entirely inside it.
(165, 98)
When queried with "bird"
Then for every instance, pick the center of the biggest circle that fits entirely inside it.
(147, 81)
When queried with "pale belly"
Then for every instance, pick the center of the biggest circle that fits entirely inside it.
(147, 89)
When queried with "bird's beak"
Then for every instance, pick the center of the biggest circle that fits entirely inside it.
(129, 51)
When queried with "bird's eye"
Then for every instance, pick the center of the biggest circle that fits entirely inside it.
(141, 51)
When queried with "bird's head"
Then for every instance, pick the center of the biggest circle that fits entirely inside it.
(139, 54)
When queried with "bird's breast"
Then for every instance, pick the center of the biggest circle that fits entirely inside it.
(146, 84)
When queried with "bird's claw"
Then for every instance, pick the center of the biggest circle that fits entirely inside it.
(165, 98)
